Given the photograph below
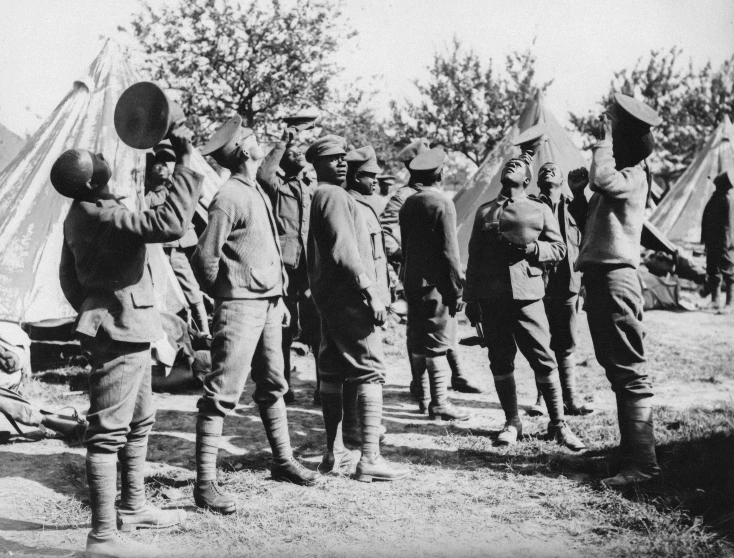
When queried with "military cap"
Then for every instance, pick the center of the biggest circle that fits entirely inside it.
(364, 159)
(303, 120)
(428, 161)
(325, 146)
(635, 112)
(724, 179)
(533, 136)
(411, 151)
(386, 179)
(521, 221)
(227, 138)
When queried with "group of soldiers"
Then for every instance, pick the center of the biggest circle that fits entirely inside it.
(273, 237)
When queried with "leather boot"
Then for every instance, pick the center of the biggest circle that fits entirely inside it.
(285, 467)
(149, 517)
(562, 434)
(440, 407)
(507, 394)
(337, 460)
(200, 317)
(372, 466)
(459, 382)
(550, 387)
(637, 450)
(572, 405)
(207, 494)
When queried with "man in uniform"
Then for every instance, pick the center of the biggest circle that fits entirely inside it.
(432, 279)
(391, 227)
(562, 288)
(717, 235)
(379, 198)
(609, 256)
(513, 236)
(238, 263)
(347, 272)
(282, 178)
(105, 276)
(157, 184)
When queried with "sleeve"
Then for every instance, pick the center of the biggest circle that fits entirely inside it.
(205, 261)
(267, 174)
(450, 249)
(551, 247)
(471, 289)
(335, 227)
(605, 179)
(70, 285)
(169, 221)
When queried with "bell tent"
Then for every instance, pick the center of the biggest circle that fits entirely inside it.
(32, 212)
(678, 216)
(10, 145)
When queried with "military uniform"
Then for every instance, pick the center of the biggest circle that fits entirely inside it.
(290, 197)
(717, 235)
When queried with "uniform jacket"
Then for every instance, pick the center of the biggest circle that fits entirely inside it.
(493, 269)
(562, 278)
(717, 225)
(378, 202)
(238, 256)
(104, 269)
(346, 250)
(156, 197)
(616, 211)
(430, 245)
(290, 197)
(390, 220)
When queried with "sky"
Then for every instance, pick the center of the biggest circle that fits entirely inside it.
(46, 44)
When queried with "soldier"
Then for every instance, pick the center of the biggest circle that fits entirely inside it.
(347, 272)
(391, 227)
(106, 279)
(157, 185)
(432, 278)
(282, 178)
(562, 288)
(238, 263)
(717, 235)
(513, 236)
(609, 256)
(379, 198)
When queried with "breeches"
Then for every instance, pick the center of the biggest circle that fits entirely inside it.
(510, 325)
(185, 275)
(720, 265)
(351, 345)
(562, 316)
(614, 310)
(246, 337)
(431, 331)
(121, 408)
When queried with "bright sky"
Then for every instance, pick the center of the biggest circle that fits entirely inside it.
(47, 44)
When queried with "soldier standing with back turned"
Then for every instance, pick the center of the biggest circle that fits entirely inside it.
(717, 235)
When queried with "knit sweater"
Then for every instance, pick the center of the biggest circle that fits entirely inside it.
(238, 256)
(616, 212)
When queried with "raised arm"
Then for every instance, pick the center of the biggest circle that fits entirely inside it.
(606, 179)
(267, 174)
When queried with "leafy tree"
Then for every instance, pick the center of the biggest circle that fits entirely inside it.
(466, 105)
(691, 103)
(257, 58)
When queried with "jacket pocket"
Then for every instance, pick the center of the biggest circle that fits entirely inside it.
(262, 279)
(143, 298)
(534, 271)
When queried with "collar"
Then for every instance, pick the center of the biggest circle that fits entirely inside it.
(506, 199)
(242, 178)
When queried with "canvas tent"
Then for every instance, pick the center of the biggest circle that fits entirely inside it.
(32, 212)
(10, 144)
(485, 185)
(678, 216)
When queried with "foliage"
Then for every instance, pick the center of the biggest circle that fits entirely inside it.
(466, 105)
(691, 103)
(257, 58)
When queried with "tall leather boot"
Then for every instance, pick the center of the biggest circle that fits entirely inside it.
(200, 317)
(134, 512)
(572, 404)
(459, 382)
(638, 460)
(372, 466)
(285, 467)
(337, 460)
(440, 407)
(507, 394)
(207, 493)
(558, 430)
(104, 540)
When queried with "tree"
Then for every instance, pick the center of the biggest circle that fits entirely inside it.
(466, 105)
(255, 58)
(691, 103)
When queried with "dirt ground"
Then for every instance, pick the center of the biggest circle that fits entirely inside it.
(464, 497)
